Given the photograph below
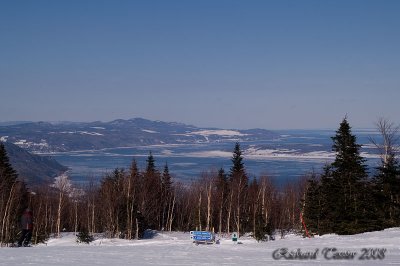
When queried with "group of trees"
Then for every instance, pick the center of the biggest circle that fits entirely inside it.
(344, 199)
(126, 202)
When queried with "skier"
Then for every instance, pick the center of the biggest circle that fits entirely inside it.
(26, 226)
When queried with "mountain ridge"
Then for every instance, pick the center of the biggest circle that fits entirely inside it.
(47, 137)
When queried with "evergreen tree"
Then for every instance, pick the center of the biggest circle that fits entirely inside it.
(151, 167)
(238, 187)
(327, 206)
(7, 174)
(348, 160)
(348, 183)
(237, 168)
(387, 192)
(152, 202)
(312, 205)
(222, 183)
(262, 230)
(166, 197)
(133, 170)
(221, 188)
(340, 202)
(13, 198)
(84, 237)
(166, 179)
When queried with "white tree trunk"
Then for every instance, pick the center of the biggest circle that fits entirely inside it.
(208, 206)
(229, 211)
(171, 217)
(220, 213)
(76, 216)
(199, 212)
(59, 213)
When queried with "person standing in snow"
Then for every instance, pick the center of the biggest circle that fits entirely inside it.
(26, 226)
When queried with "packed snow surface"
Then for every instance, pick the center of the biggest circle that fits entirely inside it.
(176, 248)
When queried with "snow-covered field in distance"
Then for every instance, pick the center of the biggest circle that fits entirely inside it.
(176, 248)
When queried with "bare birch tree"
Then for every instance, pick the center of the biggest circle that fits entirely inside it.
(63, 185)
(390, 137)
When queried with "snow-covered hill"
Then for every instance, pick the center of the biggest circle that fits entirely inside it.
(45, 137)
(176, 248)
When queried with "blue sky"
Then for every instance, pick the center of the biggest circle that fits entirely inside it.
(231, 64)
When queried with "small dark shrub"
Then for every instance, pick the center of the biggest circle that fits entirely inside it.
(84, 237)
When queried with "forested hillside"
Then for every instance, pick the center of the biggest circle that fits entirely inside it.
(33, 169)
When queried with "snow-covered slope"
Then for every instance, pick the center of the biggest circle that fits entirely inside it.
(177, 249)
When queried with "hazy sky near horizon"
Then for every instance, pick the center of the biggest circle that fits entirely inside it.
(217, 63)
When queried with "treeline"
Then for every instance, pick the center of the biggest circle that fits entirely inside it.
(126, 202)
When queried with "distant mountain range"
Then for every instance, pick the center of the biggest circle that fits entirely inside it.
(46, 137)
(32, 168)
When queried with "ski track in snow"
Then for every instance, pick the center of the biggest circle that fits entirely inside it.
(176, 248)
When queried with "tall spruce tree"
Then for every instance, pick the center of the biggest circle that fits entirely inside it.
(166, 197)
(340, 201)
(237, 168)
(151, 167)
(348, 183)
(152, 194)
(222, 182)
(166, 179)
(238, 187)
